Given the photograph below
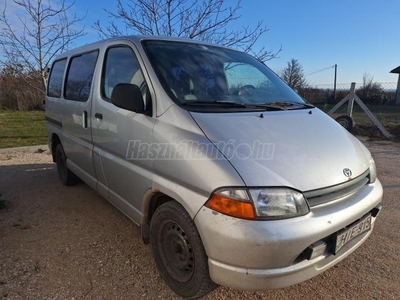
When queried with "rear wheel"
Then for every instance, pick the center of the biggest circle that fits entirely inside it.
(65, 175)
(179, 252)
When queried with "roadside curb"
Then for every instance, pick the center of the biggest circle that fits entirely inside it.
(44, 147)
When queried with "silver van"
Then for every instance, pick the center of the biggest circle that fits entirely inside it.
(234, 179)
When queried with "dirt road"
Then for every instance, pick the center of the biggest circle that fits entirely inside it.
(69, 243)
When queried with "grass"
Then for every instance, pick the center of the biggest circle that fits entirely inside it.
(22, 128)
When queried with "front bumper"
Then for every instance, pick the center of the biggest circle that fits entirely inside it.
(260, 255)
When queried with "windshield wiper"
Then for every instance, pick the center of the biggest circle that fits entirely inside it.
(293, 103)
(280, 105)
(269, 106)
(214, 103)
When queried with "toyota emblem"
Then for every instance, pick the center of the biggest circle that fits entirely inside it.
(347, 172)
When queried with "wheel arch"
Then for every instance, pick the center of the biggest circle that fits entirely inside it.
(152, 201)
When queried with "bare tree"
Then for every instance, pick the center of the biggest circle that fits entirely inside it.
(370, 91)
(9, 78)
(32, 40)
(16, 91)
(205, 20)
(293, 74)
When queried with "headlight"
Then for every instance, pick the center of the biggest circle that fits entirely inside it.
(278, 203)
(267, 203)
(372, 170)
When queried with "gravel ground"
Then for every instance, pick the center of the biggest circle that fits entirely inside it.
(69, 243)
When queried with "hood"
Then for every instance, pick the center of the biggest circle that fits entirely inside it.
(303, 149)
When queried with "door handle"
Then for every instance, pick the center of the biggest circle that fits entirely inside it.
(98, 116)
(84, 119)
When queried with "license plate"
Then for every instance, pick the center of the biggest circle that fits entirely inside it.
(350, 233)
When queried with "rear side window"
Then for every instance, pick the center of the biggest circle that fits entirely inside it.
(56, 78)
(79, 77)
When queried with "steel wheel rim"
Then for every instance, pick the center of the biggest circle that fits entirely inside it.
(177, 251)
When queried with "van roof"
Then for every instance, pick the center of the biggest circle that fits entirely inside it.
(136, 39)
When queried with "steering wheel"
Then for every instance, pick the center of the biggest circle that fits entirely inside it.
(242, 90)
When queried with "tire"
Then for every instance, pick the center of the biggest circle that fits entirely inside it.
(179, 252)
(346, 121)
(66, 176)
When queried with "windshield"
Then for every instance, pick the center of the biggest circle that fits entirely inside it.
(200, 76)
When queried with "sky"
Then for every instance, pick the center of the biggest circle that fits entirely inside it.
(360, 36)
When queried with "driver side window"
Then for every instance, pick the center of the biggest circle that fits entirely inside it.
(122, 66)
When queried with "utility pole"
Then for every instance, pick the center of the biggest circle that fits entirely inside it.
(334, 83)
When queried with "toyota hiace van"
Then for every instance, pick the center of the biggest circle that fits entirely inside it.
(234, 179)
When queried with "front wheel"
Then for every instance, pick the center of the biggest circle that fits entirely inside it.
(179, 252)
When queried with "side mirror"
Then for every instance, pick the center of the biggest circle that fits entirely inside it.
(128, 96)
